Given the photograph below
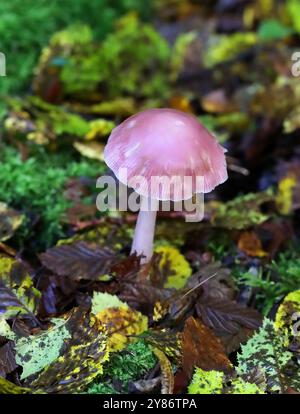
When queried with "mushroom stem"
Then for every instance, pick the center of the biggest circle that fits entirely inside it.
(144, 230)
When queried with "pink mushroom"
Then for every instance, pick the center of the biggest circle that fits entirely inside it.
(163, 143)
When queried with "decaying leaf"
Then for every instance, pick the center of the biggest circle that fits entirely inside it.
(215, 382)
(78, 261)
(178, 267)
(101, 301)
(267, 351)
(92, 149)
(201, 348)
(288, 316)
(168, 341)
(227, 316)
(10, 221)
(35, 352)
(167, 377)
(81, 362)
(206, 382)
(122, 325)
(250, 244)
(17, 293)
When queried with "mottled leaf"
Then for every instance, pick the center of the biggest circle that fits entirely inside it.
(81, 362)
(267, 351)
(121, 325)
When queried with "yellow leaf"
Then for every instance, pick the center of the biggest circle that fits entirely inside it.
(284, 197)
(178, 266)
(122, 324)
(287, 315)
(93, 150)
(99, 128)
(167, 377)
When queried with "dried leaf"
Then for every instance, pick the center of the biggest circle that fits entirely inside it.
(250, 244)
(7, 359)
(201, 348)
(227, 316)
(167, 377)
(78, 261)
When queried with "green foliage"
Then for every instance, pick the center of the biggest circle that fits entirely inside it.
(242, 212)
(293, 9)
(36, 186)
(107, 64)
(225, 47)
(129, 365)
(279, 278)
(102, 388)
(43, 123)
(267, 351)
(29, 25)
(272, 30)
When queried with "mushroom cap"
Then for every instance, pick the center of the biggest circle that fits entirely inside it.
(166, 143)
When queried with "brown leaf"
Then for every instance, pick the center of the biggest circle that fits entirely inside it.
(201, 348)
(233, 342)
(7, 359)
(78, 261)
(220, 286)
(227, 317)
(250, 244)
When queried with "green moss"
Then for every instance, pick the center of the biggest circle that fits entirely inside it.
(105, 388)
(28, 31)
(106, 64)
(129, 365)
(36, 187)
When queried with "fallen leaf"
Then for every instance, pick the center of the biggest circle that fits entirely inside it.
(201, 348)
(227, 316)
(78, 261)
(81, 362)
(167, 377)
(250, 244)
(121, 324)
